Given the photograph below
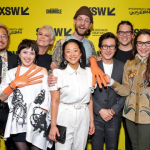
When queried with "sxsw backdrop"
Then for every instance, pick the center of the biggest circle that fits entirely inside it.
(24, 17)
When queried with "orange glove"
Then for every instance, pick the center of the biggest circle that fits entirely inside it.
(98, 73)
(23, 80)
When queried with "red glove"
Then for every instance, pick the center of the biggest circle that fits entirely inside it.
(23, 80)
(98, 73)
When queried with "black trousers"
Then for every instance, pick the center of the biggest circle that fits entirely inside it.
(106, 132)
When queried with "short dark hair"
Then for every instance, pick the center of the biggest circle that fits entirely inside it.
(27, 43)
(106, 36)
(82, 50)
(127, 23)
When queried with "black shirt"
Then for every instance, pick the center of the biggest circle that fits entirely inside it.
(44, 61)
(123, 55)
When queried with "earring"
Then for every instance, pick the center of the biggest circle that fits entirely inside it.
(35, 61)
(80, 60)
(65, 62)
(19, 61)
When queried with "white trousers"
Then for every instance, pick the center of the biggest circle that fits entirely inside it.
(76, 118)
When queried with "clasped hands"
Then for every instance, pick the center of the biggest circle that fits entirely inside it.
(106, 114)
(24, 80)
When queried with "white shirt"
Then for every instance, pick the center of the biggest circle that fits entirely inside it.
(75, 86)
(25, 113)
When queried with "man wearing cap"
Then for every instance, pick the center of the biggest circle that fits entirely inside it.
(83, 20)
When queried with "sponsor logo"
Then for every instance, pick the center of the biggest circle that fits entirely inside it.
(139, 11)
(53, 11)
(60, 31)
(136, 31)
(98, 32)
(15, 30)
(14, 11)
(102, 11)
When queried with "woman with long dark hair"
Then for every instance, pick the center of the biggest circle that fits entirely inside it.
(136, 86)
(72, 104)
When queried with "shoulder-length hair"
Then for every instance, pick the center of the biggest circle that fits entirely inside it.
(82, 50)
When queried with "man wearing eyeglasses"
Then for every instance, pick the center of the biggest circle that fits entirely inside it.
(123, 53)
(83, 20)
(8, 61)
(107, 104)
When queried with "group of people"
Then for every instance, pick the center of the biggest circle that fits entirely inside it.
(86, 94)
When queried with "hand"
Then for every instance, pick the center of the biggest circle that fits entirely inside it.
(52, 80)
(105, 114)
(99, 58)
(92, 128)
(108, 78)
(53, 132)
(53, 65)
(98, 73)
(24, 80)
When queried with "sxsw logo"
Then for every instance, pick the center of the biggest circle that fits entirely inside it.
(14, 11)
(61, 31)
(102, 11)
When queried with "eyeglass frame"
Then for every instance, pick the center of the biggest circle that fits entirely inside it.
(4, 37)
(85, 20)
(108, 46)
(128, 33)
(143, 43)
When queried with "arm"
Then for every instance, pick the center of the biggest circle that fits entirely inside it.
(54, 111)
(92, 127)
(57, 55)
(119, 105)
(124, 88)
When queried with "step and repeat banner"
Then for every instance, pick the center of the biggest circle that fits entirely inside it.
(23, 18)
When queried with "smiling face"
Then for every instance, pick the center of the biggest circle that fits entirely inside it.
(3, 39)
(143, 50)
(72, 54)
(44, 38)
(124, 39)
(27, 57)
(82, 24)
(107, 54)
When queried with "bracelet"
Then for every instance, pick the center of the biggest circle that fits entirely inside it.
(11, 86)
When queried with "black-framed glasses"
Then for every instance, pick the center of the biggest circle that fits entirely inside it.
(140, 43)
(128, 33)
(111, 47)
(79, 19)
(3, 37)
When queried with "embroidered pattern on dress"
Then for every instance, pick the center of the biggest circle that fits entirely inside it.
(19, 109)
(38, 118)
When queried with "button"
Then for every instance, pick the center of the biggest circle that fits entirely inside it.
(137, 94)
(136, 104)
(105, 100)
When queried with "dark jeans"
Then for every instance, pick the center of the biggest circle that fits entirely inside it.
(139, 135)
(128, 145)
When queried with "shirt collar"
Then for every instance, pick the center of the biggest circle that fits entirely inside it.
(3, 54)
(142, 59)
(71, 71)
(72, 37)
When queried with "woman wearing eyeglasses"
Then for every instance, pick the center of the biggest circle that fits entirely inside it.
(136, 86)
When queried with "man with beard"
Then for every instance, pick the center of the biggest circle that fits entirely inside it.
(8, 61)
(123, 53)
(83, 20)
